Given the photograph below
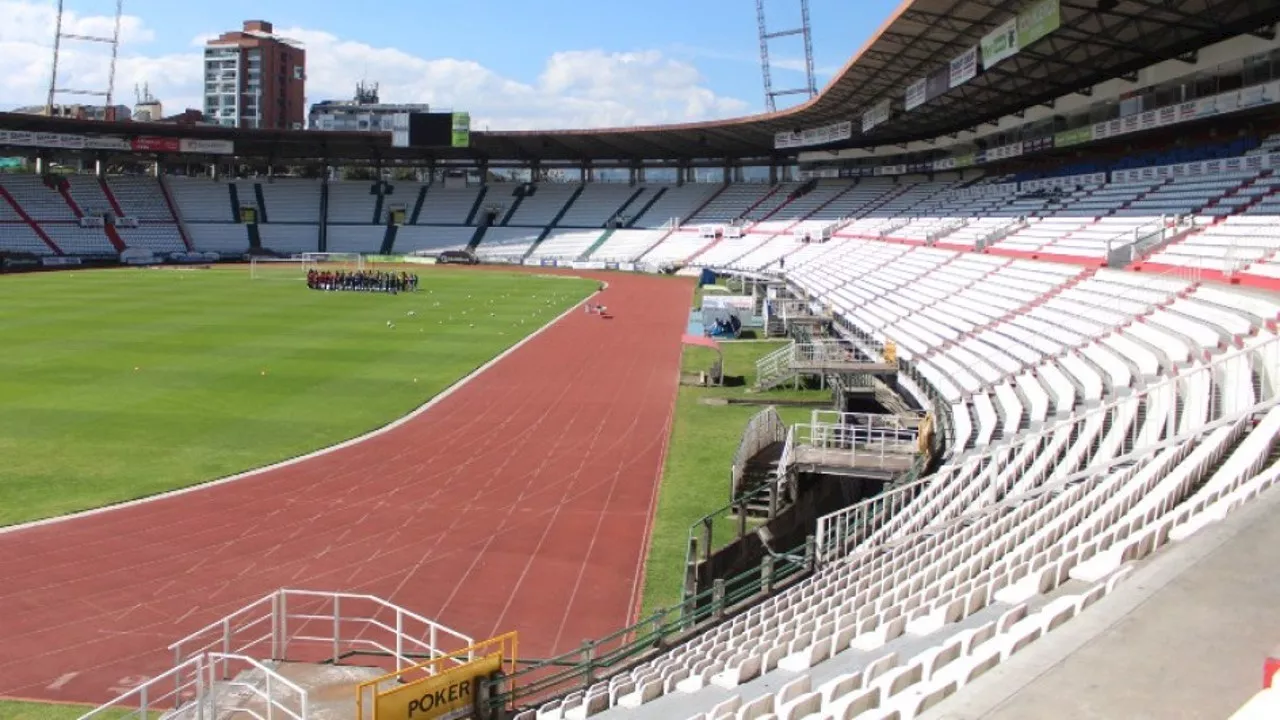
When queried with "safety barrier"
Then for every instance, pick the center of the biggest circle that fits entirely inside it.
(338, 624)
(209, 686)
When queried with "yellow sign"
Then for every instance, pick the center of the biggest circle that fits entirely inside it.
(249, 215)
(444, 696)
(891, 352)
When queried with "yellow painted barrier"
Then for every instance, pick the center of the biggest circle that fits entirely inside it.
(445, 696)
(504, 647)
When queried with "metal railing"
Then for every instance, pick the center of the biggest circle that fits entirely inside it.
(999, 234)
(341, 623)
(211, 686)
(763, 429)
(596, 660)
(840, 532)
(853, 446)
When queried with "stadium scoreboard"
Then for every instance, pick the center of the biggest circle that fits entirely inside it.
(431, 130)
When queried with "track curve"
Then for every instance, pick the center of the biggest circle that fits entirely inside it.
(522, 501)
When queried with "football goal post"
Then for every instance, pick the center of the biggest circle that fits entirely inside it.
(298, 266)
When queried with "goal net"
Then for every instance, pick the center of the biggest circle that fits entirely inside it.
(298, 266)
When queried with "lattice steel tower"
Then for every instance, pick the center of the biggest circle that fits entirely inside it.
(59, 37)
(811, 86)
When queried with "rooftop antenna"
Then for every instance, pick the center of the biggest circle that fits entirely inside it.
(113, 41)
(811, 86)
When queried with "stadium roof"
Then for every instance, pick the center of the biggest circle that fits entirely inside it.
(1098, 40)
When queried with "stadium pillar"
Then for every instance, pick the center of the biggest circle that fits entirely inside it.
(97, 164)
(773, 174)
(42, 162)
(588, 173)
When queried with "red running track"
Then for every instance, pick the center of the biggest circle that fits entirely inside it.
(523, 501)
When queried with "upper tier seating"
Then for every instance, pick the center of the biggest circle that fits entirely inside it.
(201, 200)
(449, 205)
(140, 197)
(351, 202)
(40, 202)
(599, 203)
(291, 200)
(365, 239)
(228, 239)
(734, 202)
(675, 201)
(538, 209)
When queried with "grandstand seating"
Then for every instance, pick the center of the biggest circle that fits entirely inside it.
(598, 203)
(540, 208)
(294, 201)
(672, 201)
(1066, 464)
(566, 244)
(448, 205)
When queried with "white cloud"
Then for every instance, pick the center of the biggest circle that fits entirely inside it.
(578, 88)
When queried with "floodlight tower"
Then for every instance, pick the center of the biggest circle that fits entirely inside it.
(113, 41)
(811, 86)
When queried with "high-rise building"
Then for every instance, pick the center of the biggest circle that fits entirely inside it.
(254, 78)
(365, 113)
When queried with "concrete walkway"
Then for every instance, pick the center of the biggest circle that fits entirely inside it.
(1184, 637)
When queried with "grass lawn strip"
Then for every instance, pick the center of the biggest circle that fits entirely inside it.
(695, 480)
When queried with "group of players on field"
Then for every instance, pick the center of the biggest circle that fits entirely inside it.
(362, 281)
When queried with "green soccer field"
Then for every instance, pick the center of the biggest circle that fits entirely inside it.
(124, 383)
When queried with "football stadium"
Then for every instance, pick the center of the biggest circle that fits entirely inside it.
(950, 392)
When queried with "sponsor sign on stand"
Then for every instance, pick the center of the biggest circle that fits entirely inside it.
(964, 67)
(1000, 44)
(206, 147)
(814, 136)
(1037, 21)
(879, 113)
(145, 143)
(916, 94)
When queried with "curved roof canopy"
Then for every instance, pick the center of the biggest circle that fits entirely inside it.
(1098, 40)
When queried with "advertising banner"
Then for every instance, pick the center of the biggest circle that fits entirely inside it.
(206, 147)
(1038, 20)
(106, 143)
(879, 113)
(964, 67)
(446, 695)
(144, 143)
(915, 95)
(461, 130)
(1000, 44)
(1079, 135)
(814, 136)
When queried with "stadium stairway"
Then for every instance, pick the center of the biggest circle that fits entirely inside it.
(475, 208)
(626, 204)
(380, 198)
(35, 227)
(255, 237)
(322, 223)
(175, 212)
(64, 189)
(477, 238)
(113, 236)
(520, 193)
(599, 241)
(262, 203)
(110, 196)
(233, 194)
(417, 205)
(645, 208)
(389, 239)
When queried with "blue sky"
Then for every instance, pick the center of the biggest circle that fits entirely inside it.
(513, 42)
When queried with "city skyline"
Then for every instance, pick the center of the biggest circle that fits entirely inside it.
(578, 72)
